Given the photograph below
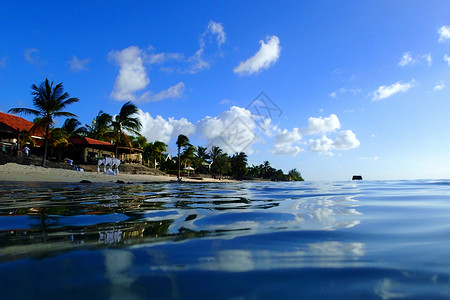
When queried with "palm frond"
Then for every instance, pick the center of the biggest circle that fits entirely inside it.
(26, 111)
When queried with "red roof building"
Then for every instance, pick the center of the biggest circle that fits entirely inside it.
(11, 125)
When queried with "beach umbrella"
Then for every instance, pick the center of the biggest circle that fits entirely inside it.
(189, 168)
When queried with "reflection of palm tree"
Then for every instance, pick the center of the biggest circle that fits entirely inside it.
(125, 120)
(182, 141)
(48, 100)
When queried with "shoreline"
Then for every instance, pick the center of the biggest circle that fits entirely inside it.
(12, 172)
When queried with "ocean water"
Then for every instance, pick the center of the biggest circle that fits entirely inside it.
(249, 240)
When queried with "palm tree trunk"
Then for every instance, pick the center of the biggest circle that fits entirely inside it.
(44, 158)
(179, 163)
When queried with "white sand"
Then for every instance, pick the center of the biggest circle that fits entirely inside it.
(16, 172)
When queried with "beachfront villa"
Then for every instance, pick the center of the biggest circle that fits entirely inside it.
(79, 149)
(88, 150)
(10, 128)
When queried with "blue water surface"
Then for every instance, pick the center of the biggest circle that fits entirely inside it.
(247, 240)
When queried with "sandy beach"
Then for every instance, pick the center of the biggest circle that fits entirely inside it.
(16, 172)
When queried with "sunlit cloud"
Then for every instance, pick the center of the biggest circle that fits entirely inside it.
(164, 130)
(439, 86)
(267, 55)
(384, 91)
(408, 59)
(172, 92)
(444, 33)
(322, 125)
(447, 59)
(132, 74)
(285, 142)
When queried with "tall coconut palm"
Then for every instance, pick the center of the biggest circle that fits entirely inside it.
(215, 152)
(73, 127)
(49, 101)
(125, 120)
(182, 141)
(100, 128)
(239, 165)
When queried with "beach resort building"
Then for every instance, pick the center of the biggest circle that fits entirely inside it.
(10, 128)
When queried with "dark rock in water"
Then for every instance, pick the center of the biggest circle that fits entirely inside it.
(120, 181)
(85, 181)
(357, 177)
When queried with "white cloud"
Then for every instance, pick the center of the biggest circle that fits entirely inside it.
(322, 125)
(267, 55)
(447, 59)
(197, 61)
(428, 59)
(77, 64)
(323, 145)
(439, 86)
(31, 56)
(284, 142)
(345, 140)
(387, 91)
(160, 58)
(132, 74)
(217, 29)
(344, 90)
(175, 91)
(233, 130)
(406, 59)
(444, 33)
(160, 129)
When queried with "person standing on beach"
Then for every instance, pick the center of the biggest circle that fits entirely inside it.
(26, 150)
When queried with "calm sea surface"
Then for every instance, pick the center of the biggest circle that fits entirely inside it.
(336, 240)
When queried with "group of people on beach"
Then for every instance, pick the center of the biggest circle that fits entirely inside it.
(25, 150)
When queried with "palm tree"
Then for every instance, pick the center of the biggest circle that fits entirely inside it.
(160, 148)
(100, 128)
(125, 120)
(182, 141)
(49, 101)
(215, 152)
(239, 165)
(73, 127)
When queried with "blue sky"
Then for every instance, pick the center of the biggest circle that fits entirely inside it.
(332, 88)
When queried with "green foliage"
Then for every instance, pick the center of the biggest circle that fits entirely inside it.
(295, 175)
(125, 120)
(49, 101)
(221, 165)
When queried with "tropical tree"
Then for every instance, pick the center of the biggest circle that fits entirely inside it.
(125, 120)
(73, 127)
(182, 141)
(295, 175)
(239, 165)
(221, 165)
(188, 154)
(215, 152)
(100, 128)
(49, 101)
(139, 141)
